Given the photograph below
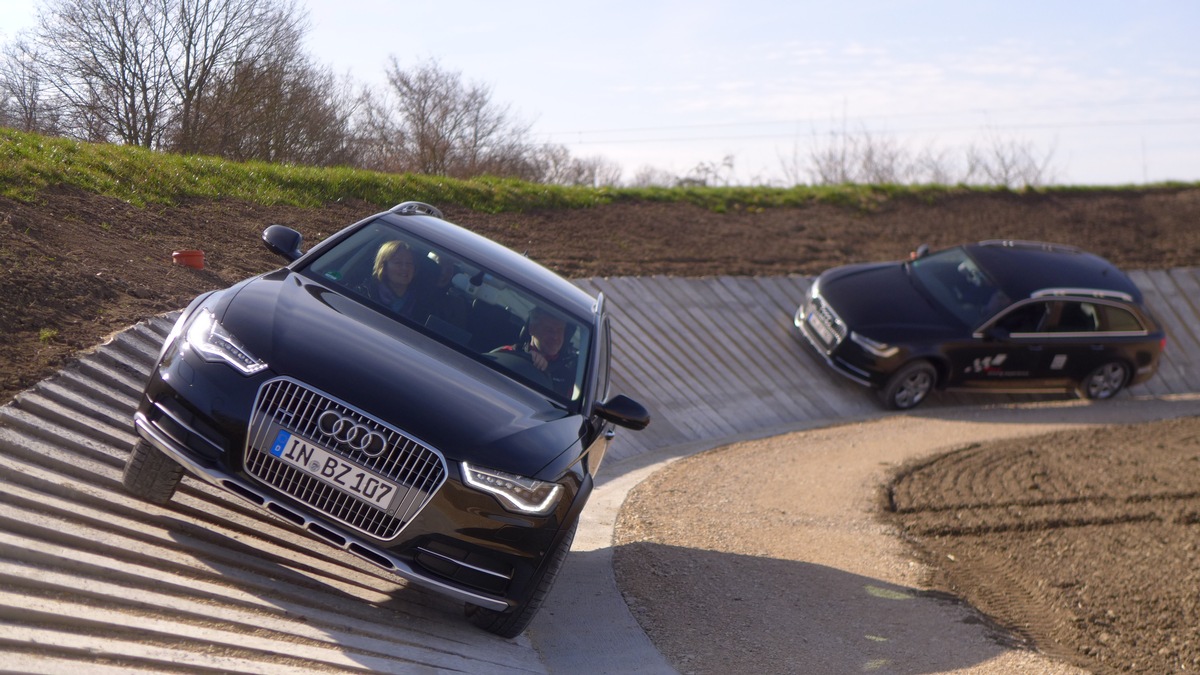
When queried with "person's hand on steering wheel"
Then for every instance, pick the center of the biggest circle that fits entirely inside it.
(539, 361)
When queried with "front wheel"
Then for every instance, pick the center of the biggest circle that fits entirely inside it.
(1104, 382)
(510, 624)
(909, 386)
(151, 475)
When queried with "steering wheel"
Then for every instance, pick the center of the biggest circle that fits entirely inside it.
(521, 366)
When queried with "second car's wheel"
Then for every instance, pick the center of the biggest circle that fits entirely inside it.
(909, 385)
(1105, 381)
(511, 623)
(150, 474)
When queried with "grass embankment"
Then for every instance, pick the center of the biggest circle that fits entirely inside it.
(30, 163)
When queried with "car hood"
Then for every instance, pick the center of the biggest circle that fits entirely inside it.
(880, 298)
(438, 396)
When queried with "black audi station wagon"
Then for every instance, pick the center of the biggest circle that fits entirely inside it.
(409, 391)
(1002, 316)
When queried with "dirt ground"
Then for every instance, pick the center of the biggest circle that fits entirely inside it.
(1071, 541)
(1087, 543)
(75, 267)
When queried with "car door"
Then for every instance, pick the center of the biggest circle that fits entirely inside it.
(1007, 352)
(1085, 335)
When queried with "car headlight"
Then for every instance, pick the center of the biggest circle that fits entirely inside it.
(210, 339)
(880, 349)
(815, 289)
(516, 493)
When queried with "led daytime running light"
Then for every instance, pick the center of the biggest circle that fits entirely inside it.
(214, 343)
(516, 493)
(880, 349)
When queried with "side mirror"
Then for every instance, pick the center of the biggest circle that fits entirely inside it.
(920, 252)
(283, 241)
(624, 411)
(995, 334)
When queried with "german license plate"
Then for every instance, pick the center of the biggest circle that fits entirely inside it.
(821, 329)
(333, 470)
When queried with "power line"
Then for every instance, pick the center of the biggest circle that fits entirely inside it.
(1090, 106)
(911, 130)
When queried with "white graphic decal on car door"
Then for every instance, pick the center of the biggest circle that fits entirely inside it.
(987, 364)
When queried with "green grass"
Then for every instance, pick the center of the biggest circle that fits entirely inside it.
(31, 163)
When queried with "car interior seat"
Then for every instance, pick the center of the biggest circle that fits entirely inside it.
(1076, 318)
(492, 326)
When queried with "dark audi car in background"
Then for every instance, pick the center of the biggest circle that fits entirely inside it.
(423, 437)
(1002, 316)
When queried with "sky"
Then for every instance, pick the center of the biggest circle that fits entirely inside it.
(1106, 92)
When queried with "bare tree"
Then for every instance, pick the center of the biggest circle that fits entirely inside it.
(106, 59)
(709, 174)
(596, 171)
(556, 165)
(25, 102)
(141, 71)
(649, 176)
(859, 157)
(283, 109)
(793, 165)
(935, 165)
(208, 39)
(862, 157)
(1009, 162)
(430, 121)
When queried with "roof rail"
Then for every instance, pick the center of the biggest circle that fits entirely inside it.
(1020, 243)
(1082, 292)
(416, 209)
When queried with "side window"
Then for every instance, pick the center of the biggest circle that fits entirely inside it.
(1118, 319)
(1028, 318)
(1076, 317)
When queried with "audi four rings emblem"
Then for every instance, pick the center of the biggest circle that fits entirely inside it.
(348, 432)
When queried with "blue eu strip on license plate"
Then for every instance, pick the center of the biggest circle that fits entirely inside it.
(280, 443)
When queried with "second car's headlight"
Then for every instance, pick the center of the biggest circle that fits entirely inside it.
(880, 349)
(214, 343)
(516, 493)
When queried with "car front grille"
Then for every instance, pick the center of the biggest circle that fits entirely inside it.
(419, 471)
(823, 314)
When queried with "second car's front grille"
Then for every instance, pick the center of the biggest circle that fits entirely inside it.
(415, 470)
(834, 329)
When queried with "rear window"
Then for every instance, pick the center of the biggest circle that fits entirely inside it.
(1118, 319)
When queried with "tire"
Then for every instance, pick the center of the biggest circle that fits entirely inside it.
(909, 386)
(151, 475)
(512, 623)
(1104, 382)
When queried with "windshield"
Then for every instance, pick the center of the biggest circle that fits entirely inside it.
(955, 281)
(462, 304)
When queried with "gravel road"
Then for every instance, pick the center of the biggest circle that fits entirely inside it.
(769, 555)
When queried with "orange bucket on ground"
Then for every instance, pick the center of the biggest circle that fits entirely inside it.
(189, 258)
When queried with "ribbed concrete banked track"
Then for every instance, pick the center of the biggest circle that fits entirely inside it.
(93, 580)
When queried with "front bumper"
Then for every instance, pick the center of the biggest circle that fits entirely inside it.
(336, 536)
(827, 352)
